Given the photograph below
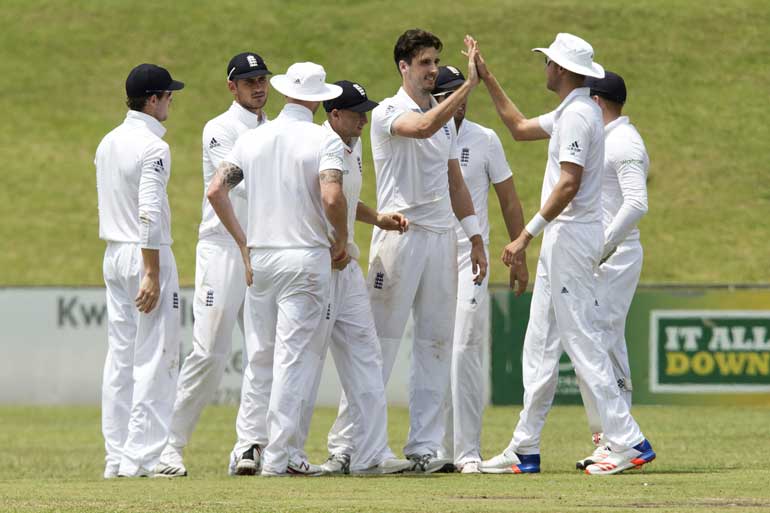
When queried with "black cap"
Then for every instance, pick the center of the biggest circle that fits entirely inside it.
(612, 87)
(245, 65)
(146, 79)
(353, 98)
(449, 78)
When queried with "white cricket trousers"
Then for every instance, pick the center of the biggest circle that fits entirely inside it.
(465, 409)
(220, 288)
(348, 328)
(140, 372)
(564, 317)
(617, 281)
(415, 271)
(282, 313)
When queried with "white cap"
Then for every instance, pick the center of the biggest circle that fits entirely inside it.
(305, 81)
(574, 54)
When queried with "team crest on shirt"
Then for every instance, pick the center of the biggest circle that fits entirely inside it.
(574, 148)
(447, 132)
(360, 166)
(465, 156)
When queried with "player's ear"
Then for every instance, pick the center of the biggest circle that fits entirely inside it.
(231, 86)
(403, 66)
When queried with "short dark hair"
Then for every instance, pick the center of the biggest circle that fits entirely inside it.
(138, 102)
(411, 42)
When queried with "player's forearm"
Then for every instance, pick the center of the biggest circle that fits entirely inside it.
(622, 225)
(460, 197)
(563, 192)
(336, 210)
(427, 124)
(506, 109)
(513, 216)
(218, 196)
(366, 214)
(151, 261)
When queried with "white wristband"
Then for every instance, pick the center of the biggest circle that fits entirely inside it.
(536, 226)
(470, 225)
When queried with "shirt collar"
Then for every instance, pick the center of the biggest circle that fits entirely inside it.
(353, 140)
(296, 112)
(404, 96)
(247, 117)
(575, 93)
(609, 127)
(152, 124)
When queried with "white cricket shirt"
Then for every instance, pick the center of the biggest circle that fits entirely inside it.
(624, 187)
(352, 177)
(482, 161)
(412, 174)
(280, 162)
(133, 166)
(577, 135)
(219, 136)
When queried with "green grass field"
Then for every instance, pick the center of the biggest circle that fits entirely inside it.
(709, 459)
(697, 74)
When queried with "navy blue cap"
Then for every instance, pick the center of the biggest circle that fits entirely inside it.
(147, 79)
(353, 98)
(612, 87)
(245, 65)
(449, 78)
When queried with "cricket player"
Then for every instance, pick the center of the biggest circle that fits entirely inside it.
(418, 175)
(293, 186)
(219, 284)
(483, 163)
(564, 311)
(348, 326)
(133, 166)
(624, 203)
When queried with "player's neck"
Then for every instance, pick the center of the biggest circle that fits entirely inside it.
(420, 97)
(609, 117)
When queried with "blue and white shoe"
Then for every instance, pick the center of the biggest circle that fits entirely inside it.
(511, 463)
(617, 462)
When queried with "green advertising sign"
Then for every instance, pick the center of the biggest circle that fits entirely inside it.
(709, 351)
(707, 345)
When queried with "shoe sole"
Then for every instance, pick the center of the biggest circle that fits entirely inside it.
(248, 469)
(381, 471)
(513, 469)
(634, 464)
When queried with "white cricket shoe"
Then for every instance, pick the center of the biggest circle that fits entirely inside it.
(470, 467)
(304, 468)
(617, 462)
(169, 470)
(337, 464)
(387, 466)
(111, 471)
(247, 464)
(426, 463)
(600, 453)
(510, 462)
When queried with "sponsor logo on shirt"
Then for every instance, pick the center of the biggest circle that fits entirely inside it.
(574, 148)
(213, 144)
(158, 165)
(389, 109)
(465, 156)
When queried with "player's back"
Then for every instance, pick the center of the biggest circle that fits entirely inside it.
(119, 160)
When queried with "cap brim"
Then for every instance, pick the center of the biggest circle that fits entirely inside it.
(363, 107)
(249, 74)
(175, 85)
(284, 85)
(448, 87)
(596, 70)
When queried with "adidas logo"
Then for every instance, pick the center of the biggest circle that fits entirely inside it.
(214, 143)
(210, 298)
(574, 148)
(175, 301)
(564, 290)
(474, 302)
(158, 165)
(378, 280)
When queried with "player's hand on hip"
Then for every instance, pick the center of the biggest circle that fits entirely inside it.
(513, 253)
(339, 265)
(247, 265)
(519, 276)
(393, 221)
(479, 262)
(149, 292)
(339, 253)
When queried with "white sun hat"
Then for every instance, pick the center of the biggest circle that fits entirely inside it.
(574, 54)
(305, 81)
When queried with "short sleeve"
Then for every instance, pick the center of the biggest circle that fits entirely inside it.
(547, 121)
(332, 153)
(497, 166)
(384, 116)
(574, 138)
(217, 143)
(235, 156)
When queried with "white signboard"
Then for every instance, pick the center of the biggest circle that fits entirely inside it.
(54, 340)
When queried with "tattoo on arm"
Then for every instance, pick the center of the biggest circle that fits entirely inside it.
(230, 174)
(331, 176)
